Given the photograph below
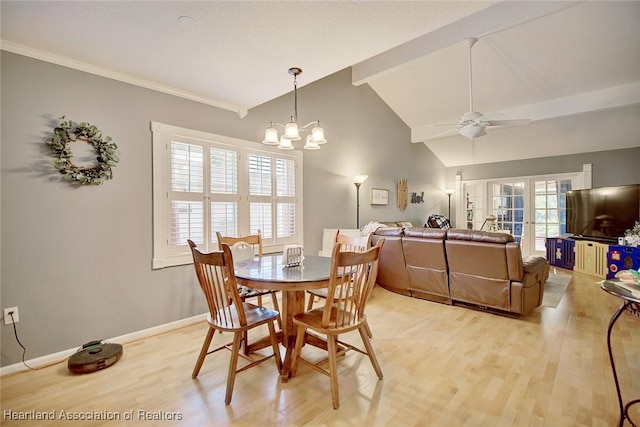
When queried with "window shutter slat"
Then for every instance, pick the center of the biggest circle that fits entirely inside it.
(224, 171)
(187, 222)
(186, 167)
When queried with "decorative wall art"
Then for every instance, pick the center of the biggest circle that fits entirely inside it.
(415, 198)
(403, 194)
(107, 154)
(379, 196)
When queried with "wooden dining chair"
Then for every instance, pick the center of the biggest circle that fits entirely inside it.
(255, 241)
(349, 243)
(353, 275)
(228, 313)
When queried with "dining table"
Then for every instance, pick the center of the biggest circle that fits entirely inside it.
(269, 272)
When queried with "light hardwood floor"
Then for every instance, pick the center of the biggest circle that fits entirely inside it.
(443, 366)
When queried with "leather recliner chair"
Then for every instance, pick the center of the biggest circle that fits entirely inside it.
(487, 269)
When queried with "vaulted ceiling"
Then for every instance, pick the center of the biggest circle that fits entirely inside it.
(573, 68)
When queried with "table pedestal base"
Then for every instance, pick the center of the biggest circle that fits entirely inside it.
(624, 409)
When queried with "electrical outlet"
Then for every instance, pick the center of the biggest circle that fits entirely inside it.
(7, 316)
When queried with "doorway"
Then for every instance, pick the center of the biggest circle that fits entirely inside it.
(529, 208)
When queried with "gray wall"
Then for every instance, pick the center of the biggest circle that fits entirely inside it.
(77, 261)
(609, 168)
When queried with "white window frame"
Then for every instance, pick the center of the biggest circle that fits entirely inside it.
(167, 255)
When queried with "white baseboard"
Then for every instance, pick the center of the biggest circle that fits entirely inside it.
(40, 362)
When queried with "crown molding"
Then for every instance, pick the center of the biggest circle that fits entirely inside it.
(114, 75)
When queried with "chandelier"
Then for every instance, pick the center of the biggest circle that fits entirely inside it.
(292, 130)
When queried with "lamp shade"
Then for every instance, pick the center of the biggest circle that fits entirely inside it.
(285, 144)
(359, 179)
(271, 136)
(291, 131)
(317, 135)
(310, 145)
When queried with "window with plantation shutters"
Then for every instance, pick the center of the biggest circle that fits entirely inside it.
(186, 186)
(224, 192)
(203, 183)
(285, 197)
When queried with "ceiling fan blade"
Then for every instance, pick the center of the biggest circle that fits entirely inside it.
(442, 124)
(508, 123)
(450, 132)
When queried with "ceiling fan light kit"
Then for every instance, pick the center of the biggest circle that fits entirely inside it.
(472, 130)
(292, 129)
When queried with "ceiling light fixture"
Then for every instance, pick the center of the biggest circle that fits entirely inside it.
(292, 129)
(472, 130)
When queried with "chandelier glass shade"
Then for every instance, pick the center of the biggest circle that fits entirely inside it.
(292, 130)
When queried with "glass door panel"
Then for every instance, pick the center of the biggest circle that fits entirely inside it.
(508, 206)
(550, 212)
(529, 208)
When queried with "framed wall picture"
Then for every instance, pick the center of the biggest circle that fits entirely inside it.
(379, 196)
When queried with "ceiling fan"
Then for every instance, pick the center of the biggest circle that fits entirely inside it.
(473, 124)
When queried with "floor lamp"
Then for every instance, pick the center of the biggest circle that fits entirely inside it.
(358, 180)
(449, 193)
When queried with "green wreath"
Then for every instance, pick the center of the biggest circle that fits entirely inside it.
(107, 152)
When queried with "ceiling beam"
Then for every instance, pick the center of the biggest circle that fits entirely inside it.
(495, 18)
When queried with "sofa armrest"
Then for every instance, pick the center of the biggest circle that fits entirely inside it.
(536, 270)
(532, 264)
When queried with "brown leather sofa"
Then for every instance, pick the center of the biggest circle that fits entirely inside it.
(461, 266)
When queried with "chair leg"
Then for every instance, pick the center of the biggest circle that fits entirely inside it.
(276, 348)
(245, 343)
(333, 370)
(233, 366)
(296, 352)
(310, 303)
(369, 348)
(369, 333)
(276, 307)
(203, 352)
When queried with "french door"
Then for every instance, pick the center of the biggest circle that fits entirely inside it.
(531, 209)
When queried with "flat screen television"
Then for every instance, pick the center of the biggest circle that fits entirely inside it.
(602, 214)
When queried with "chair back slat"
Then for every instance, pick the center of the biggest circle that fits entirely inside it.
(353, 243)
(255, 240)
(217, 279)
(242, 251)
(353, 275)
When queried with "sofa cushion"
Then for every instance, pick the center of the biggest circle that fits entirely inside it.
(426, 233)
(389, 231)
(395, 223)
(403, 224)
(479, 236)
(426, 263)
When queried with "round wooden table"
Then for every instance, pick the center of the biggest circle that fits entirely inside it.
(631, 304)
(269, 273)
